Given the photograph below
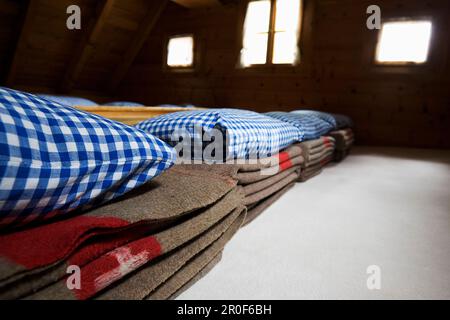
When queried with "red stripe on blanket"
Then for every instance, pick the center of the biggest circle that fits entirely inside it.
(283, 156)
(116, 264)
(285, 165)
(50, 243)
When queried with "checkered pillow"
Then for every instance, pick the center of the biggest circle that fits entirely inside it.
(342, 121)
(338, 121)
(321, 115)
(311, 126)
(54, 158)
(246, 133)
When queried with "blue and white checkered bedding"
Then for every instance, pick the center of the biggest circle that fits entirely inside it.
(54, 158)
(311, 126)
(123, 104)
(68, 100)
(247, 134)
(342, 121)
(338, 121)
(321, 115)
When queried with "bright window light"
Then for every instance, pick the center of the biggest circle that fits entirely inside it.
(180, 52)
(256, 33)
(264, 31)
(404, 42)
(287, 23)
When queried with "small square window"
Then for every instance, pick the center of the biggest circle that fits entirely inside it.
(271, 32)
(404, 42)
(180, 52)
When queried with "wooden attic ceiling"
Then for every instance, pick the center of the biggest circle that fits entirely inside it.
(38, 51)
(197, 3)
(203, 3)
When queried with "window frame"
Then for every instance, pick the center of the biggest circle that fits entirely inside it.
(400, 64)
(195, 58)
(271, 38)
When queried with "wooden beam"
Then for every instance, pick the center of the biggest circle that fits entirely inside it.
(87, 45)
(142, 34)
(197, 3)
(21, 44)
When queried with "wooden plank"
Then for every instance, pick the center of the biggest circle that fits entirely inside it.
(145, 28)
(87, 45)
(197, 3)
(131, 115)
(21, 45)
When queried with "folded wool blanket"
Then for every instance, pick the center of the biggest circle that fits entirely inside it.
(341, 155)
(319, 157)
(258, 186)
(194, 266)
(291, 152)
(258, 208)
(146, 280)
(198, 276)
(344, 139)
(249, 177)
(33, 258)
(272, 189)
(315, 149)
(116, 264)
(248, 172)
(315, 169)
(311, 172)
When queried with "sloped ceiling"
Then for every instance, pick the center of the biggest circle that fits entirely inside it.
(197, 3)
(38, 52)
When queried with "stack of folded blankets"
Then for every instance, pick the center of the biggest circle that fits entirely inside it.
(89, 208)
(345, 139)
(261, 182)
(135, 247)
(251, 150)
(317, 153)
(317, 149)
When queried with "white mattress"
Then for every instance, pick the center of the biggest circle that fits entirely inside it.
(384, 207)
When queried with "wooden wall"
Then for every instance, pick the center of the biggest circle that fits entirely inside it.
(400, 106)
(38, 53)
(11, 19)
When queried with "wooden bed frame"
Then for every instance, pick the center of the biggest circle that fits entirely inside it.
(131, 115)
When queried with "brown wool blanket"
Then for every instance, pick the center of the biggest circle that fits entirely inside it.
(197, 277)
(195, 266)
(316, 169)
(251, 189)
(344, 139)
(281, 159)
(34, 258)
(319, 158)
(341, 155)
(145, 281)
(250, 171)
(315, 149)
(272, 189)
(107, 269)
(258, 208)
